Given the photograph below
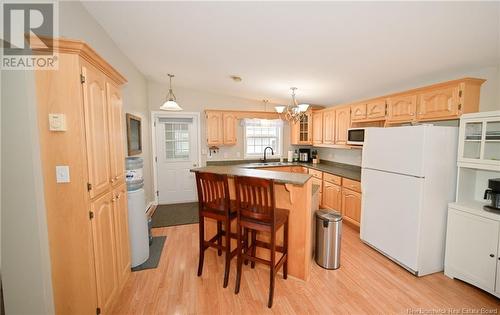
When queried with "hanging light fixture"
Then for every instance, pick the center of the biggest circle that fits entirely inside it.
(170, 100)
(294, 111)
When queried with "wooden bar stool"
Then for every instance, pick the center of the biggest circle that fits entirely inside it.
(257, 212)
(214, 203)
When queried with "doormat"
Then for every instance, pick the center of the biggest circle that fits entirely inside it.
(155, 251)
(175, 214)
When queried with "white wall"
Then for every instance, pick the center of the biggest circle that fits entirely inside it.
(77, 23)
(26, 272)
(198, 101)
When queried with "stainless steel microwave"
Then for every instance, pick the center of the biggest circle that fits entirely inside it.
(356, 136)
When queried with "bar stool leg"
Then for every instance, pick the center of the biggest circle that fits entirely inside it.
(219, 238)
(202, 245)
(254, 247)
(271, 269)
(239, 263)
(285, 250)
(227, 224)
(245, 244)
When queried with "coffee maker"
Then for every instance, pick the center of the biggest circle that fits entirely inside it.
(493, 194)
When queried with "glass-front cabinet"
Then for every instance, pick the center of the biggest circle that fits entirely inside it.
(480, 138)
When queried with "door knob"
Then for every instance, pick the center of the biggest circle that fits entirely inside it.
(195, 165)
(491, 255)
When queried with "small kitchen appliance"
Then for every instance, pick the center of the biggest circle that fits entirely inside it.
(356, 136)
(304, 155)
(493, 194)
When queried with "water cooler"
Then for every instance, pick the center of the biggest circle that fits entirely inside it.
(137, 218)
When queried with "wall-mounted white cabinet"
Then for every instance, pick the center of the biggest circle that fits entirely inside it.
(479, 144)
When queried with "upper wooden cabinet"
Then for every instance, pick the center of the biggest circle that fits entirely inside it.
(318, 127)
(342, 123)
(215, 128)
(401, 108)
(439, 103)
(375, 110)
(222, 125)
(301, 132)
(358, 112)
(229, 121)
(329, 127)
(116, 130)
(96, 128)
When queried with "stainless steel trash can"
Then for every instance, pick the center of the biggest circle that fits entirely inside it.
(328, 236)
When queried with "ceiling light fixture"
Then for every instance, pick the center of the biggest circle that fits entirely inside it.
(170, 100)
(294, 111)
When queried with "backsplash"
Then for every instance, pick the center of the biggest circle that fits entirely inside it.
(346, 156)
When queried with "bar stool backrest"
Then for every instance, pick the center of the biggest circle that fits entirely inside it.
(255, 198)
(213, 192)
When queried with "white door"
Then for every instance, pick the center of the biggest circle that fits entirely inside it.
(390, 214)
(398, 149)
(177, 152)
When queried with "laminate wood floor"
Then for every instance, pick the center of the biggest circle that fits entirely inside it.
(366, 283)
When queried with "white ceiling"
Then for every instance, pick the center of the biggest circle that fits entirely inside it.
(332, 51)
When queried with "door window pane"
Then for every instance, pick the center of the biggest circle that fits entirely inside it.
(176, 141)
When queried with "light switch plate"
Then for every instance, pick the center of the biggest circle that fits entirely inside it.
(57, 122)
(62, 174)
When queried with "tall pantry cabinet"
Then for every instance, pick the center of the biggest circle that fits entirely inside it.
(81, 127)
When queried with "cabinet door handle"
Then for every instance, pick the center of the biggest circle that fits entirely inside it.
(491, 255)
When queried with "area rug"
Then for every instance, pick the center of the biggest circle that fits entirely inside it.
(155, 251)
(176, 214)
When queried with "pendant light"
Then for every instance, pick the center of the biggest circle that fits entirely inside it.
(294, 111)
(170, 101)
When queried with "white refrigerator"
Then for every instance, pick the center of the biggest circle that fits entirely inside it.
(408, 177)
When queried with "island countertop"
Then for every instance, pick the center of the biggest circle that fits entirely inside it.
(235, 170)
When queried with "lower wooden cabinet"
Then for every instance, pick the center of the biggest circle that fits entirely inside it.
(120, 214)
(319, 182)
(332, 196)
(111, 244)
(104, 242)
(351, 206)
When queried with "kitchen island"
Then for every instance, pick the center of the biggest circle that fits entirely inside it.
(293, 191)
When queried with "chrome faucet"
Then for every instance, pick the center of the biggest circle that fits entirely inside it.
(265, 149)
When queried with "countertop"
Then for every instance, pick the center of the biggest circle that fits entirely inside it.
(343, 170)
(238, 170)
